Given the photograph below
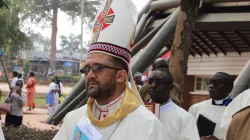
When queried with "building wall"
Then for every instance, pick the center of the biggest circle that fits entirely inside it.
(232, 63)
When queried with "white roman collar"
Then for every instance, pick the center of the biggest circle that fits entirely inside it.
(218, 102)
(166, 106)
(102, 111)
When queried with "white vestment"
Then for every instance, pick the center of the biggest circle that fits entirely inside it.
(140, 124)
(1, 134)
(239, 102)
(13, 82)
(210, 111)
(179, 124)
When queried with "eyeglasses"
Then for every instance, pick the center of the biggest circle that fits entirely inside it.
(96, 68)
(214, 82)
(156, 81)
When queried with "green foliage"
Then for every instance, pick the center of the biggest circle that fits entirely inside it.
(67, 78)
(40, 10)
(64, 95)
(27, 133)
(71, 43)
(3, 4)
(12, 39)
(26, 68)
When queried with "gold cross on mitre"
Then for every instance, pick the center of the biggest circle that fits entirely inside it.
(105, 18)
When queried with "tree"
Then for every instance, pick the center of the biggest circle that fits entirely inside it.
(3, 4)
(39, 42)
(71, 43)
(26, 68)
(183, 40)
(12, 39)
(40, 10)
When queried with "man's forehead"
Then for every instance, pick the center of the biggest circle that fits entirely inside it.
(156, 74)
(98, 58)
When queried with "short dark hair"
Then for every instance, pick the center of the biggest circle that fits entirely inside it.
(32, 74)
(15, 73)
(160, 63)
(167, 73)
(228, 77)
(20, 75)
(20, 82)
(118, 62)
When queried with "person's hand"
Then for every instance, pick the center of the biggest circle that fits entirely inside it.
(19, 92)
(210, 137)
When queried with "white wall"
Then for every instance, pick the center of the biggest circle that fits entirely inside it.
(232, 63)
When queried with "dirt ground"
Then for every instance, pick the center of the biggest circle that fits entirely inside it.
(35, 119)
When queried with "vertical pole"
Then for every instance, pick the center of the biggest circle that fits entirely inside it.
(82, 10)
(5, 70)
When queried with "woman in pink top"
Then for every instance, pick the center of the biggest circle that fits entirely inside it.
(31, 90)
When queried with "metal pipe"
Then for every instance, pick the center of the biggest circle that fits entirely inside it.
(163, 5)
(144, 10)
(5, 70)
(140, 26)
(143, 42)
(242, 81)
(69, 107)
(81, 51)
(79, 87)
(82, 103)
(163, 51)
(154, 47)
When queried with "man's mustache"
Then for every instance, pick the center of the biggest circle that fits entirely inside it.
(93, 81)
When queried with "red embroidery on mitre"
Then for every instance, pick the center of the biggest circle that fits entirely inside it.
(131, 43)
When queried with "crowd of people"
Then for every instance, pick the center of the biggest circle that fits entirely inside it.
(17, 98)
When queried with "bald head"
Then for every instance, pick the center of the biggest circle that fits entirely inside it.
(160, 63)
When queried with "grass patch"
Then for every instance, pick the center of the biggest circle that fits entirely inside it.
(40, 100)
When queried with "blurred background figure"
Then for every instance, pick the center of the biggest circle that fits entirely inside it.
(17, 99)
(31, 83)
(138, 80)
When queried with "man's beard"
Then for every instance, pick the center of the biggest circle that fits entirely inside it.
(101, 92)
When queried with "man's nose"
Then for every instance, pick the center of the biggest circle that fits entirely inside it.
(90, 74)
(211, 85)
(153, 85)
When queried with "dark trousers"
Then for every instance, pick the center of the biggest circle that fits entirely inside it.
(12, 120)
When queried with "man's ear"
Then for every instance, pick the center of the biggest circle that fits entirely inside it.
(121, 76)
(171, 87)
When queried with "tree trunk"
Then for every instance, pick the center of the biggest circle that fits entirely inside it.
(53, 40)
(182, 42)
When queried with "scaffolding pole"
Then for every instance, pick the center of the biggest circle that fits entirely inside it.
(154, 47)
(242, 81)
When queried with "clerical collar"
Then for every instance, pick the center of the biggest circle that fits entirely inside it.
(162, 103)
(102, 111)
(223, 102)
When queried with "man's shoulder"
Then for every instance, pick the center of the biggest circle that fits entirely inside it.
(242, 113)
(180, 112)
(75, 113)
(202, 104)
(143, 114)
